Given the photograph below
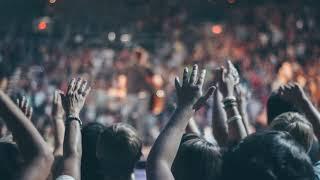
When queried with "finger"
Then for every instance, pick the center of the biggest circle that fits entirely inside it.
(59, 96)
(201, 78)
(237, 90)
(229, 66)
(78, 84)
(218, 74)
(204, 98)
(55, 96)
(87, 92)
(23, 103)
(223, 74)
(29, 112)
(83, 87)
(209, 93)
(71, 86)
(177, 83)
(194, 74)
(185, 77)
(18, 102)
(292, 85)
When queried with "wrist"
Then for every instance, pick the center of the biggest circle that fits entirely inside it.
(58, 118)
(302, 103)
(71, 119)
(73, 114)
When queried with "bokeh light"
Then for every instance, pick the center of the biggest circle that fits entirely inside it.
(216, 29)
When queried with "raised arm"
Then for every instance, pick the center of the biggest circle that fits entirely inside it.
(73, 102)
(58, 123)
(37, 156)
(219, 119)
(166, 146)
(241, 95)
(294, 94)
(227, 80)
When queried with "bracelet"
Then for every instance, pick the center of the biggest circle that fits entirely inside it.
(228, 99)
(234, 118)
(229, 102)
(73, 118)
(229, 105)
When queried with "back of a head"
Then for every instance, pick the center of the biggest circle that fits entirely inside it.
(277, 106)
(118, 150)
(89, 162)
(298, 127)
(10, 160)
(271, 155)
(197, 159)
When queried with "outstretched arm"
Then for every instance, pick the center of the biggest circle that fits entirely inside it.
(73, 102)
(166, 146)
(37, 156)
(58, 123)
(227, 80)
(241, 96)
(294, 94)
(219, 119)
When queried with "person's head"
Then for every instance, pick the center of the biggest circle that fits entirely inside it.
(118, 150)
(10, 159)
(297, 125)
(197, 159)
(89, 162)
(277, 106)
(270, 155)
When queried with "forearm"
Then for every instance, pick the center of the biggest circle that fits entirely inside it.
(72, 150)
(28, 139)
(166, 146)
(245, 119)
(236, 128)
(59, 129)
(219, 121)
(193, 127)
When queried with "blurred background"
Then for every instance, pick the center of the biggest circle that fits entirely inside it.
(131, 50)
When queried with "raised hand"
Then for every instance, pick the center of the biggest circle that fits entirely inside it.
(58, 123)
(292, 93)
(23, 104)
(74, 99)
(227, 79)
(72, 103)
(57, 108)
(190, 92)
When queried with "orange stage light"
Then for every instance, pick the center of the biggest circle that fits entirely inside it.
(216, 29)
(42, 25)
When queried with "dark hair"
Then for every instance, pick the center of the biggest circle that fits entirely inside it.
(277, 106)
(118, 150)
(197, 159)
(89, 162)
(10, 160)
(297, 125)
(270, 155)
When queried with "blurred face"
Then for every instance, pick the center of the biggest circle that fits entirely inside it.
(286, 71)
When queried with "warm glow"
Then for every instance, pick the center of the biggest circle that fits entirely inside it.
(231, 1)
(42, 26)
(52, 1)
(216, 29)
